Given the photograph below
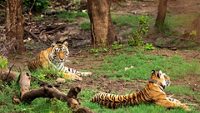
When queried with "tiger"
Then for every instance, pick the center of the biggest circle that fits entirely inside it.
(55, 57)
(152, 93)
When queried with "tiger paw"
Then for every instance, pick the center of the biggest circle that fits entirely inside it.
(86, 73)
(184, 106)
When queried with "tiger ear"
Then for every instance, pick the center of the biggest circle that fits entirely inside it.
(153, 72)
(53, 44)
(159, 73)
(65, 43)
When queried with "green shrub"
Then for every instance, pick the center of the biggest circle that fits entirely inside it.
(3, 62)
(136, 38)
(38, 5)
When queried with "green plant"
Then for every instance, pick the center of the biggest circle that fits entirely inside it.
(98, 50)
(116, 46)
(45, 73)
(85, 26)
(3, 62)
(136, 37)
(71, 16)
(149, 46)
(37, 5)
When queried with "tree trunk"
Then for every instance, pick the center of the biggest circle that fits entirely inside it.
(162, 10)
(15, 24)
(102, 30)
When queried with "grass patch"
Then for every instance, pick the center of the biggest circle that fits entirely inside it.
(128, 20)
(3, 62)
(71, 16)
(85, 26)
(183, 90)
(39, 105)
(142, 64)
(171, 25)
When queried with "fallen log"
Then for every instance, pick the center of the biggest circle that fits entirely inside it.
(49, 91)
(7, 75)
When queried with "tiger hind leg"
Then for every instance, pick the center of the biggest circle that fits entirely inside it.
(72, 76)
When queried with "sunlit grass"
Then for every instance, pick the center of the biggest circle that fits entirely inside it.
(71, 16)
(141, 65)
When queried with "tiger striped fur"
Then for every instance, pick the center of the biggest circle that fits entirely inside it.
(55, 56)
(153, 92)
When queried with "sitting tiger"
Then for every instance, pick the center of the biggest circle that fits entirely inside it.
(55, 56)
(153, 92)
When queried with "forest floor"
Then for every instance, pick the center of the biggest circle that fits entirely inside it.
(173, 42)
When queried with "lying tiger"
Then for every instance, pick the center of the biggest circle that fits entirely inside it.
(55, 56)
(153, 92)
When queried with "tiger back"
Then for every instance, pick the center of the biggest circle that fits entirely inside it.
(153, 92)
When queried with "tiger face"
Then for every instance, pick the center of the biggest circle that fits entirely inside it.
(59, 52)
(161, 78)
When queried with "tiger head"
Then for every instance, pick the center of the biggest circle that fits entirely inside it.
(160, 78)
(59, 52)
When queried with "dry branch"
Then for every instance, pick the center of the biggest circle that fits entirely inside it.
(7, 75)
(48, 91)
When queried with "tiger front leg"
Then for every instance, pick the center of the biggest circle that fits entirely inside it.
(72, 76)
(172, 103)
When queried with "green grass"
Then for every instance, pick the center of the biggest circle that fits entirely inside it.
(39, 105)
(183, 90)
(71, 16)
(173, 23)
(85, 26)
(3, 62)
(175, 67)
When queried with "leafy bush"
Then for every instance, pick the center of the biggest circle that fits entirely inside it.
(149, 46)
(46, 73)
(3, 62)
(38, 5)
(136, 38)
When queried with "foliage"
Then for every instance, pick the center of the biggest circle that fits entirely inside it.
(3, 62)
(47, 105)
(114, 66)
(71, 16)
(136, 38)
(38, 5)
(46, 73)
(125, 20)
(96, 51)
(85, 26)
(149, 46)
(116, 46)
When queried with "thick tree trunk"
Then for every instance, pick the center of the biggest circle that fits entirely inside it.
(102, 30)
(162, 10)
(15, 24)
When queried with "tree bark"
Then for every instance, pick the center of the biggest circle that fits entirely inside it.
(102, 30)
(48, 91)
(15, 24)
(162, 10)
